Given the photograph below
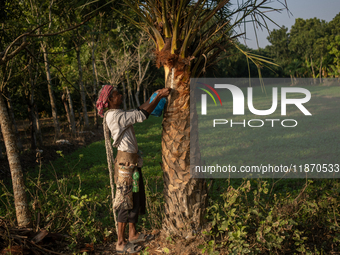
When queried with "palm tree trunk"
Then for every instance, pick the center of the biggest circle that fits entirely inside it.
(20, 200)
(185, 198)
(82, 90)
(51, 94)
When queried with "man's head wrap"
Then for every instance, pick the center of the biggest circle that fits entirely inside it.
(103, 97)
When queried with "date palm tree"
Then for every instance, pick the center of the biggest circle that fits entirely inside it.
(189, 36)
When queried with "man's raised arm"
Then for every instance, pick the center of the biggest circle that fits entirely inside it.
(149, 107)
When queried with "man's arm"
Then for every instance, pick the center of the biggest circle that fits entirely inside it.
(149, 107)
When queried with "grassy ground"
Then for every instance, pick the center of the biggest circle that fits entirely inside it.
(91, 165)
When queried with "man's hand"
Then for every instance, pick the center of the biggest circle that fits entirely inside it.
(149, 107)
(163, 92)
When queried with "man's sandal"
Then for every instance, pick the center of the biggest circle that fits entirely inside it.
(142, 238)
(130, 248)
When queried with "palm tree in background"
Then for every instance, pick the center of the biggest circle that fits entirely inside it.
(189, 36)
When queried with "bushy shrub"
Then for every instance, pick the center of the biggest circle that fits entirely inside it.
(252, 220)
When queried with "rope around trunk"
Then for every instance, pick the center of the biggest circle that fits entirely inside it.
(110, 161)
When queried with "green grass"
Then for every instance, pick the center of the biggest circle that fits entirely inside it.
(91, 165)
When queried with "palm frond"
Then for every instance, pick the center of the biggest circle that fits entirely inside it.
(201, 28)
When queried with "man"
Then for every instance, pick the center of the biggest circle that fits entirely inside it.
(120, 123)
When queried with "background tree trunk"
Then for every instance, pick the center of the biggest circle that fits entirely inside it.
(130, 92)
(32, 124)
(80, 119)
(51, 94)
(20, 200)
(67, 110)
(36, 139)
(36, 132)
(133, 103)
(14, 125)
(37, 125)
(95, 83)
(82, 90)
(137, 96)
(185, 198)
(124, 94)
(314, 76)
(320, 70)
(1, 157)
(72, 119)
(145, 88)
(129, 99)
(144, 94)
(141, 76)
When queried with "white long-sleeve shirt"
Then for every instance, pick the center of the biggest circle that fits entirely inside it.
(120, 121)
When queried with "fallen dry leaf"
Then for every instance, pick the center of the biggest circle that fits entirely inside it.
(14, 250)
(40, 236)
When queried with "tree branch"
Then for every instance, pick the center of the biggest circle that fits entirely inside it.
(57, 33)
(5, 58)
(55, 68)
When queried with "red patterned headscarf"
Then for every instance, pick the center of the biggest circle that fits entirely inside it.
(102, 99)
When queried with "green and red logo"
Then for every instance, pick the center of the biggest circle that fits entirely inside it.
(204, 97)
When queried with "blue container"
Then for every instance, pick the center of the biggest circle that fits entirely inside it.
(159, 108)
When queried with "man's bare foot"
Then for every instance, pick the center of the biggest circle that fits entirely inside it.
(133, 236)
(128, 248)
(141, 238)
(120, 245)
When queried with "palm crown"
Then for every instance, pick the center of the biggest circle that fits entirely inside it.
(197, 31)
